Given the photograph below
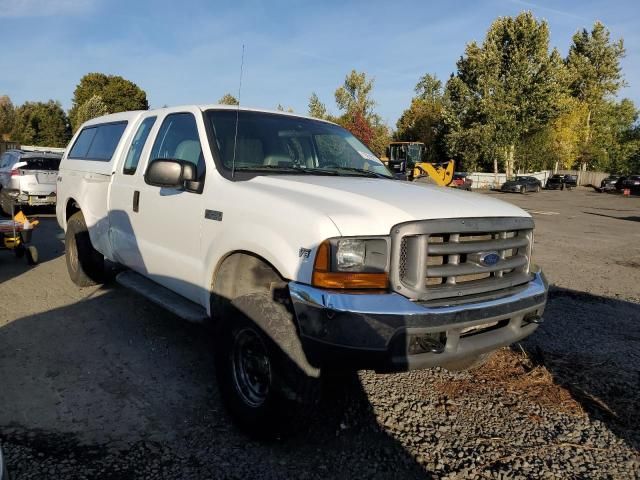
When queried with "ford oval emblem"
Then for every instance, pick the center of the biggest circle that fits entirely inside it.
(489, 258)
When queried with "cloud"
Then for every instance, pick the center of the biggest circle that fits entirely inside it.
(43, 8)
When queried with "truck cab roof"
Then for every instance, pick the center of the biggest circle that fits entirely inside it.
(135, 114)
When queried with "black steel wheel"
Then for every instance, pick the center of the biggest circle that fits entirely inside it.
(251, 367)
(267, 395)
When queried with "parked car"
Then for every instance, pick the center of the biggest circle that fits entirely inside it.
(632, 182)
(620, 183)
(570, 181)
(609, 184)
(522, 184)
(293, 241)
(555, 182)
(28, 178)
(461, 181)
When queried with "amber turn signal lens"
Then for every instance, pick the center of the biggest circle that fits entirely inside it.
(323, 277)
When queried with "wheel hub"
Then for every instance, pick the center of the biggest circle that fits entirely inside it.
(251, 367)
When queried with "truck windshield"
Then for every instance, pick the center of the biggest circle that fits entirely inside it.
(272, 143)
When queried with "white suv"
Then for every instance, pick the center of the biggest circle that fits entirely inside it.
(28, 178)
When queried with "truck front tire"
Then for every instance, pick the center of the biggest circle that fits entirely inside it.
(84, 263)
(266, 393)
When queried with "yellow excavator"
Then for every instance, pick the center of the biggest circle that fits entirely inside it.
(405, 160)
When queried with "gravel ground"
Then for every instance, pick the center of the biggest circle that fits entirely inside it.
(99, 383)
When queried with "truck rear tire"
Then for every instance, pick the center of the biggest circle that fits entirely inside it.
(84, 263)
(266, 393)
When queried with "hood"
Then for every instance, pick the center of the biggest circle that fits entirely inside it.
(370, 206)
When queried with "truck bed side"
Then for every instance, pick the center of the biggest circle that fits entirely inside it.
(84, 183)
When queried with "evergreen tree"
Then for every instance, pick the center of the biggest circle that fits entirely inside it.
(228, 99)
(504, 90)
(7, 117)
(40, 123)
(595, 76)
(92, 108)
(117, 93)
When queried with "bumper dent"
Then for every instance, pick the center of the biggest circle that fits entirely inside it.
(374, 330)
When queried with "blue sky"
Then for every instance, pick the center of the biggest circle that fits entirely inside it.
(189, 51)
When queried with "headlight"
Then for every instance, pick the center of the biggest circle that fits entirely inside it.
(356, 263)
(350, 254)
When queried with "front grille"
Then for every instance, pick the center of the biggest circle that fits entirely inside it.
(437, 259)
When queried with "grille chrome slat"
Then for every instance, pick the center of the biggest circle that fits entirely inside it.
(440, 259)
(452, 259)
(476, 246)
(472, 268)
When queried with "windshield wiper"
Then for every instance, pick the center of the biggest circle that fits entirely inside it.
(364, 173)
(274, 168)
(313, 170)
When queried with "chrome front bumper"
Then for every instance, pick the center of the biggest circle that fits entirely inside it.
(375, 330)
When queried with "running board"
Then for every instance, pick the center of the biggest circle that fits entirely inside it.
(162, 296)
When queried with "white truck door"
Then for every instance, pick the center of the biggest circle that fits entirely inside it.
(124, 196)
(165, 243)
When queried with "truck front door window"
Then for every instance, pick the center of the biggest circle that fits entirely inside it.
(178, 139)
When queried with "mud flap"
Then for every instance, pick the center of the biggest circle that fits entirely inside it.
(276, 321)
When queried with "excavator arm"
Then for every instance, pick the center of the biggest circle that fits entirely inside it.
(440, 174)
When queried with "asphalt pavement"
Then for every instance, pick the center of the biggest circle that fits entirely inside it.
(100, 383)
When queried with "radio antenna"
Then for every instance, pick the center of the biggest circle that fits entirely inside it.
(235, 137)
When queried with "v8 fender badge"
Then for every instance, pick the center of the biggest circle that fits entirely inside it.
(304, 253)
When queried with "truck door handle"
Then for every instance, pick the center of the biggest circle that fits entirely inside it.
(136, 200)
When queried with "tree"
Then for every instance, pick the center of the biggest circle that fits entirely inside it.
(358, 125)
(7, 117)
(39, 123)
(280, 108)
(92, 108)
(354, 94)
(381, 138)
(317, 109)
(595, 74)
(566, 133)
(632, 143)
(353, 98)
(424, 119)
(228, 99)
(117, 93)
(504, 90)
(613, 144)
(429, 88)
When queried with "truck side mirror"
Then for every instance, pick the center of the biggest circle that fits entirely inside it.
(170, 173)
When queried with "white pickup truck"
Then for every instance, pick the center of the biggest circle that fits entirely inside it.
(295, 243)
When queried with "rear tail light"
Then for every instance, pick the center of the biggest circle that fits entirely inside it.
(15, 173)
